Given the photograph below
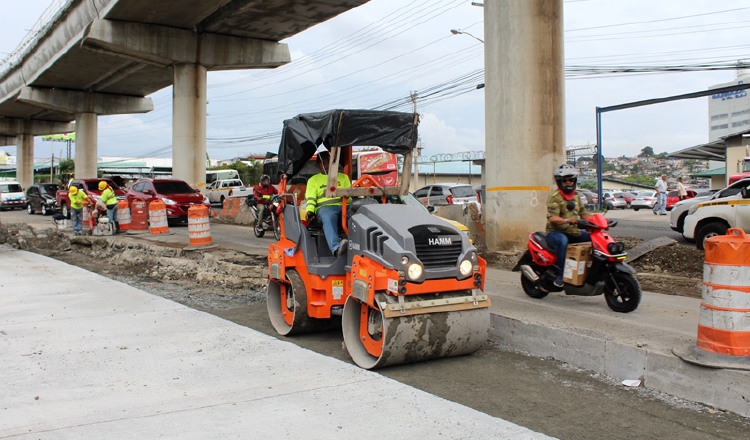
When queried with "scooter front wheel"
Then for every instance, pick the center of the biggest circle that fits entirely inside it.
(258, 228)
(622, 292)
(531, 289)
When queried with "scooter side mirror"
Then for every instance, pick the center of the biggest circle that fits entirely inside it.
(612, 223)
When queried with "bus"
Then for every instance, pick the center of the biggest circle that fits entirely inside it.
(214, 175)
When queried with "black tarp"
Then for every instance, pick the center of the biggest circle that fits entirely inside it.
(394, 132)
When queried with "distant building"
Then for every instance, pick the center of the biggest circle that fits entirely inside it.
(729, 112)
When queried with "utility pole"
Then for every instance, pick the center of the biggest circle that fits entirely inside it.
(413, 96)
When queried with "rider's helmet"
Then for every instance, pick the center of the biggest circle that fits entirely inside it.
(265, 180)
(568, 173)
(102, 185)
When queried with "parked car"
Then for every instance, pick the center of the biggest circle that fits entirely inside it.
(41, 197)
(587, 197)
(11, 195)
(644, 200)
(714, 217)
(680, 209)
(175, 193)
(674, 196)
(612, 200)
(446, 194)
(628, 197)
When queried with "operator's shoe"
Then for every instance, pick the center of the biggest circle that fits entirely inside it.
(559, 281)
(342, 247)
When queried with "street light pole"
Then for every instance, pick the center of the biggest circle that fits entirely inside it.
(457, 32)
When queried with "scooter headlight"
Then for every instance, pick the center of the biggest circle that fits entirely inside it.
(414, 271)
(466, 267)
(616, 248)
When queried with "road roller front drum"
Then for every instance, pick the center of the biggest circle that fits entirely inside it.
(374, 341)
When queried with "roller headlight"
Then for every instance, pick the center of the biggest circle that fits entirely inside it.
(414, 271)
(466, 267)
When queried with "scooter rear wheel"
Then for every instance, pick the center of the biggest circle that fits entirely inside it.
(622, 292)
(531, 290)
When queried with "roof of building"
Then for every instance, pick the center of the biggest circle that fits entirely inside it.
(715, 150)
(710, 173)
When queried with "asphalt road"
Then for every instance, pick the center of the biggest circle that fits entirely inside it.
(541, 394)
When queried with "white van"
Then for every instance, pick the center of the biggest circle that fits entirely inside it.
(11, 195)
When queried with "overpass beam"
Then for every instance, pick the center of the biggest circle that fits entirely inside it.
(70, 101)
(165, 46)
(524, 116)
(189, 105)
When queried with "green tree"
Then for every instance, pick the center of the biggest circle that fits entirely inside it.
(640, 179)
(646, 152)
(587, 184)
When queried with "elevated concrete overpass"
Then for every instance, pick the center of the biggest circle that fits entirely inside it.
(104, 57)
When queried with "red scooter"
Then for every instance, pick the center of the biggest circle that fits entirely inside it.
(608, 274)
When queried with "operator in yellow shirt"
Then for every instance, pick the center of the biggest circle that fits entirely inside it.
(327, 209)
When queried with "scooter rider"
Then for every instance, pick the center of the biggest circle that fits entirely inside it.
(262, 195)
(564, 208)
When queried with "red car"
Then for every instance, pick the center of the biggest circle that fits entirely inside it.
(673, 197)
(175, 193)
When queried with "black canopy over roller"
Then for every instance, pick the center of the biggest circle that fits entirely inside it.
(394, 132)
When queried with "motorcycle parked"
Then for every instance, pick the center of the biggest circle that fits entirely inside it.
(270, 222)
(608, 274)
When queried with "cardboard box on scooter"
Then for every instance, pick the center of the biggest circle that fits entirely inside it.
(577, 262)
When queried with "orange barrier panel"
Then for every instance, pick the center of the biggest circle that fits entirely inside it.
(157, 217)
(123, 215)
(199, 227)
(231, 208)
(139, 216)
(724, 326)
(86, 215)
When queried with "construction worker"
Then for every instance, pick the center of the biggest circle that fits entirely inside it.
(262, 195)
(110, 201)
(76, 209)
(327, 209)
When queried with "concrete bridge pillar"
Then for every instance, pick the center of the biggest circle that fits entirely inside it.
(189, 105)
(524, 111)
(87, 130)
(25, 159)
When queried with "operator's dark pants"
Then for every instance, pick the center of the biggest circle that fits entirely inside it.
(559, 242)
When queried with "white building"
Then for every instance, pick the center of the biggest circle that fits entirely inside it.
(729, 112)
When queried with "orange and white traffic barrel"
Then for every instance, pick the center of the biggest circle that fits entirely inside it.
(138, 216)
(123, 215)
(724, 324)
(199, 227)
(157, 217)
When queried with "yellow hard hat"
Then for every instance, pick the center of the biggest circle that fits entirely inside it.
(102, 185)
(73, 190)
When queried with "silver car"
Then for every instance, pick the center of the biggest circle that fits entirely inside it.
(644, 199)
(446, 194)
(681, 208)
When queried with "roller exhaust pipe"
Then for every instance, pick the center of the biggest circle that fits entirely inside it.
(529, 273)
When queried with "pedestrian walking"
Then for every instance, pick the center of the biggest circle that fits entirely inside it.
(661, 195)
(681, 191)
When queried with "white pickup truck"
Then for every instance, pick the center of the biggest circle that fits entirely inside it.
(713, 217)
(221, 190)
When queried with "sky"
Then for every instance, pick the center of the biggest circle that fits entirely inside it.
(377, 55)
